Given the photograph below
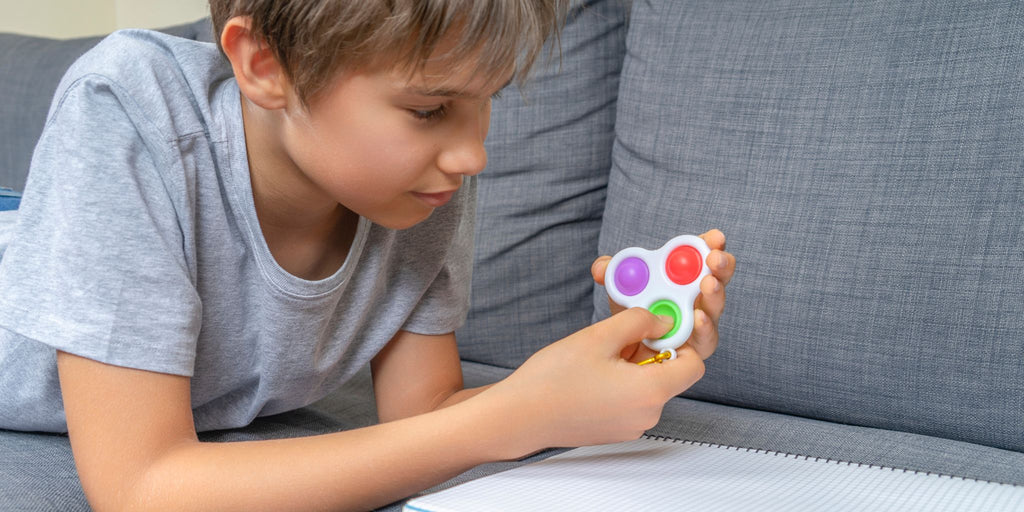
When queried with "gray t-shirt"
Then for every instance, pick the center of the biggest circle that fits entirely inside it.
(137, 244)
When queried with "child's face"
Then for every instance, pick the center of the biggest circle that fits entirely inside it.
(391, 148)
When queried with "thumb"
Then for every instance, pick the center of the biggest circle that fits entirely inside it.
(630, 326)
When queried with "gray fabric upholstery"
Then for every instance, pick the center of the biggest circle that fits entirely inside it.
(32, 67)
(735, 426)
(865, 161)
(542, 194)
(706, 422)
(37, 470)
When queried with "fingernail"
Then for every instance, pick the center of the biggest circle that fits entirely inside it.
(666, 319)
(718, 285)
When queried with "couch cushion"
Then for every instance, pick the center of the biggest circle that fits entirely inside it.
(865, 161)
(32, 68)
(37, 470)
(705, 422)
(542, 194)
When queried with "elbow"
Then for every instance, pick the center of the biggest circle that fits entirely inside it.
(153, 487)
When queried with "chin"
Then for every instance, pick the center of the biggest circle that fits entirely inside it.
(400, 222)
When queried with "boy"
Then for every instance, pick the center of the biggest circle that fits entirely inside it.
(203, 241)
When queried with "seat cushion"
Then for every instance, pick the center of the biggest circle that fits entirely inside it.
(542, 194)
(865, 161)
(37, 470)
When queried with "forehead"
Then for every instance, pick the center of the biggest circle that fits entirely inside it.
(450, 75)
(467, 84)
(455, 64)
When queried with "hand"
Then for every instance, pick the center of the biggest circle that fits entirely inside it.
(579, 391)
(707, 308)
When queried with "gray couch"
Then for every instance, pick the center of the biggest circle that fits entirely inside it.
(865, 160)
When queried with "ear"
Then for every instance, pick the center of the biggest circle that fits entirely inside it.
(259, 74)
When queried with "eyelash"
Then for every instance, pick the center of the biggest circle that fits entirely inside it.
(439, 112)
(430, 115)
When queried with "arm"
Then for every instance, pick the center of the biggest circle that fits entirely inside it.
(431, 362)
(136, 448)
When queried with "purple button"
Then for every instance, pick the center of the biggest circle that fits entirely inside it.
(631, 276)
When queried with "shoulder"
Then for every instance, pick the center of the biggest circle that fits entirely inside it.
(150, 58)
(161, 78)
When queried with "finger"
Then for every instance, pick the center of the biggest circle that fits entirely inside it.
(715, 239)
(631, 351)
(712, 297)
(630, 326)
(704, 339)
(677, 375)
(638, 352)
(722, 265)
(598, 268)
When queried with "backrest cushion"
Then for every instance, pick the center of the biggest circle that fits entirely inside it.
(31, 69)
(866, 162)
(542, 194)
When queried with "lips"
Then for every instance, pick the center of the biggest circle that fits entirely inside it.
(435, 200)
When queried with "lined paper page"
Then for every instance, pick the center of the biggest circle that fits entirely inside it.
(651, 475)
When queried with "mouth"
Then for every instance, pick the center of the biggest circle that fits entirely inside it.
(437, 199)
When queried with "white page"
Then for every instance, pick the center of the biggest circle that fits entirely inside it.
(653, 474)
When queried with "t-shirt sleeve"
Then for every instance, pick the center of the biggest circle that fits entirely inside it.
(443, 307)
(96, 266)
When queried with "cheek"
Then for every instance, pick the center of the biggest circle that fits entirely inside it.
(392, 155)
(365, 152)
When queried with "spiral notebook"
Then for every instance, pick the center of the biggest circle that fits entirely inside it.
(661, 474)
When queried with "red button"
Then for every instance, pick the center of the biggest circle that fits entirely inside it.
(683, 264)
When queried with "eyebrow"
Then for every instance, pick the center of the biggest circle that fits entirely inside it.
(446, 92)
(453, 93)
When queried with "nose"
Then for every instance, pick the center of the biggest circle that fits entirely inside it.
(464, 152)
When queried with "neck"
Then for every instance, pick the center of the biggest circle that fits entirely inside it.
(307, 232)
(284, 196)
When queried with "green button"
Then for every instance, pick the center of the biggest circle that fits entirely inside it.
(668, 308)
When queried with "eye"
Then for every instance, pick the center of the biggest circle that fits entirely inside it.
(430, 115)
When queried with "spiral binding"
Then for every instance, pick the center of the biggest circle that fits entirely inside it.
(819, 459)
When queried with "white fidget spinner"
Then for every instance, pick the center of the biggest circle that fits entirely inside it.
(666, 281)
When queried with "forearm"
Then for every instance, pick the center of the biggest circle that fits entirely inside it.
(352, 470)
(461, 396)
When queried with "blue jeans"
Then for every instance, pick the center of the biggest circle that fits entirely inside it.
(9, 199)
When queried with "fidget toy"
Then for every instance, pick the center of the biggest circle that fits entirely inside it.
(666, 281)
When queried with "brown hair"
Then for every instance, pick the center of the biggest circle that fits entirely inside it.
(315, 39)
